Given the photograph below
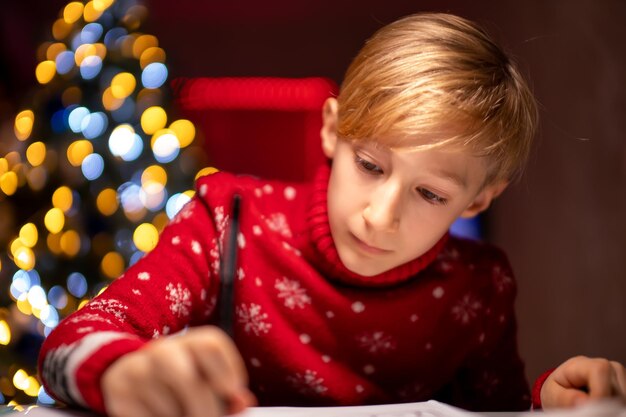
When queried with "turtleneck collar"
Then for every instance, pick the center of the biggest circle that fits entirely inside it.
(326, 257)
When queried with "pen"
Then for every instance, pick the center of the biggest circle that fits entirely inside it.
(227, 269)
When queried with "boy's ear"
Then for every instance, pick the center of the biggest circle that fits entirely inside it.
(484, 198)
(329, 127)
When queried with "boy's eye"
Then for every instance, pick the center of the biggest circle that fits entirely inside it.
(367, 166)
(431, 197)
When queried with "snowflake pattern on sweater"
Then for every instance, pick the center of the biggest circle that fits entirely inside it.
(310, 332)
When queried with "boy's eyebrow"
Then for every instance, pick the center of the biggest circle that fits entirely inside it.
(453, 177)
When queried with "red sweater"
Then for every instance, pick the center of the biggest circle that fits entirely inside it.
(310, 331)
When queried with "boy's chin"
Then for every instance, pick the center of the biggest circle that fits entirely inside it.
(361, 267)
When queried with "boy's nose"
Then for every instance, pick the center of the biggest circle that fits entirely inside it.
(383, 211)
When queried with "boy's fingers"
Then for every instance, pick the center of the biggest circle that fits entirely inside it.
(159, 399)
(619, 379)
(176, 369)
(220, 362)
(570, 397)
(600, 377)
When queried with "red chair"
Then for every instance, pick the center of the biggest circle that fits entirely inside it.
(269, 127)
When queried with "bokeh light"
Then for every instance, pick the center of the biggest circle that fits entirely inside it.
(112, 265)
(36, 153)
(54, 220)
(154, 75)
(24, 124)
(153, 119)
(90, 67)
(165, 146)
(107, 201)
(185, 131)
(45, 71)
(77, 284)
(89, 151)
(146, 237)
(92, 166)
(78, 151)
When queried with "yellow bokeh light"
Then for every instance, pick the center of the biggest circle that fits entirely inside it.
(153, 119)
(5, 333)
(82, 304)
(123, 85)
(101, 50)
(154, 173)
(185, 132)
(90, 13)
(8, 182)
(54, 220)
(4, 166)
(146, 237)
(70, 243)
(23, 305)
(107, 201)
(190, 193)
(54, 243)
(55, 49)
(32, 390)
(20, 379)
(29, 235)
(60, 29)
(36, 153)
(206, 171)
(150, 55)
(63, 199)
(142, 43)
(24, 124)
(112, 265)
(72, 12)
(102, 5)
(77, 151)
(15, 245)
(24, 258)
(109, 101)
(83, 51)
(45, 71)
(160, 221)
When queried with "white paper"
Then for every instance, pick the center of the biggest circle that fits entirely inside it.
(430, 408)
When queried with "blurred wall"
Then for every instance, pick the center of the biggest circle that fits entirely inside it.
(563, 225)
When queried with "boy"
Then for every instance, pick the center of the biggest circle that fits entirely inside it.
(349, 290)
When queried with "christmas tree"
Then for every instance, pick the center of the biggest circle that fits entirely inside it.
(92, 173)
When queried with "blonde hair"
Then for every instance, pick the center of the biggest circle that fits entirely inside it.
(441, 80)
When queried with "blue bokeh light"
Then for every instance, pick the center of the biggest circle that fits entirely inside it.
(77, 284)
(91, 33)
(90, 67)
(57, 296)
(92, 166)
(65, 62)
(175, 203)
(93, 125)
(154, 75)
(75, 119)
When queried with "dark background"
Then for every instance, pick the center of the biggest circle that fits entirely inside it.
(563, 225)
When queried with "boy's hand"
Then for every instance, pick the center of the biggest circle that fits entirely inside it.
(580, 379)
(196, 374)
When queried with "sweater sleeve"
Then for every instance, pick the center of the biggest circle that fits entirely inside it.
(170, 288)
(492, 378)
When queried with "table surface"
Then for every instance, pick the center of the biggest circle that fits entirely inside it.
(606, 408)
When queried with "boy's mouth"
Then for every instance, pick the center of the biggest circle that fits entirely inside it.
(367, 247)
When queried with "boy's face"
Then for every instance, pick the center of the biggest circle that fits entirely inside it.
(387, 207)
